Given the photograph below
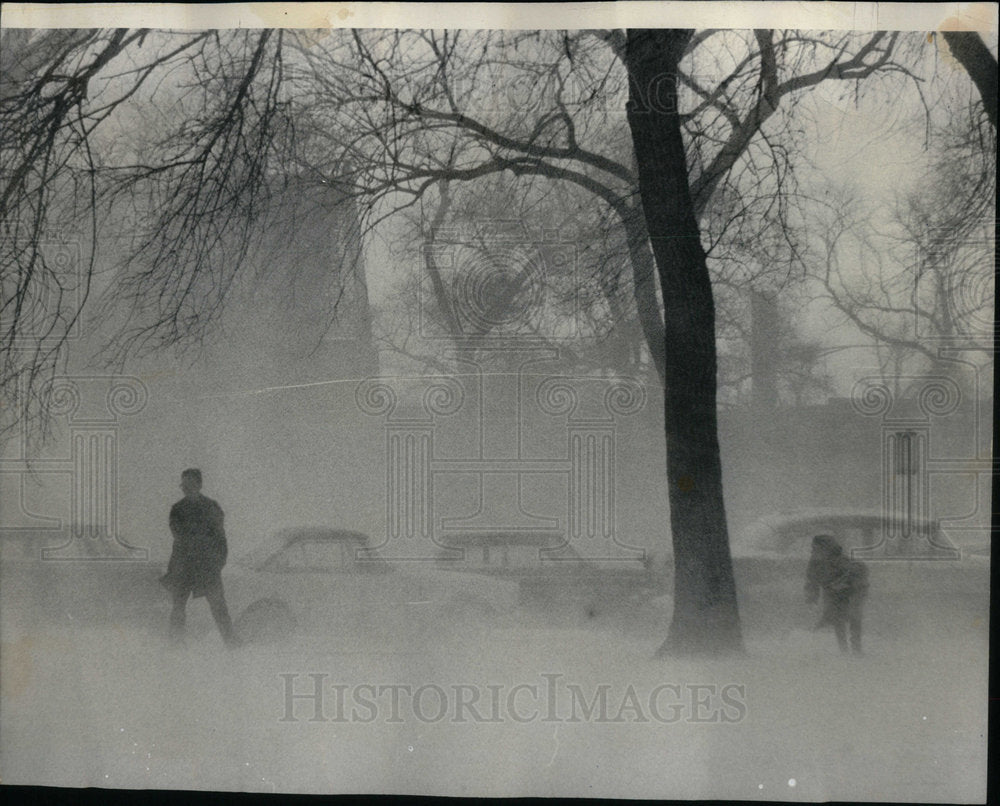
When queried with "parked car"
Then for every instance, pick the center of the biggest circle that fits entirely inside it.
(550, 574)
(47, 580)
(869, 535)
(317, 580)
(770, 559)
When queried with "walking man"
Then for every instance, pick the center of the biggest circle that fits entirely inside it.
(198, 555)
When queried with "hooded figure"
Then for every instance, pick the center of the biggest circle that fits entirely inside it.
(844, 583)
(198, 556)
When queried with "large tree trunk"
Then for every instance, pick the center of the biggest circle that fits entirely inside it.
(706, 617)
(971, 52)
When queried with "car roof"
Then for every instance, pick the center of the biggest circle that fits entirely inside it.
(791, 519)
(771, 531)
(827, 512)
(291, 535)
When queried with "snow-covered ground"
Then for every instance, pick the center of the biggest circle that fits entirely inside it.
(115, 706)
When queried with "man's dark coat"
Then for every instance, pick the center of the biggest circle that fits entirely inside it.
(199, 550)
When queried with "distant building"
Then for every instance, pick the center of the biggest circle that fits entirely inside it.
(299, 311)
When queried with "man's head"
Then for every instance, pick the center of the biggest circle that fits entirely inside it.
(191, 481)
(827, 544)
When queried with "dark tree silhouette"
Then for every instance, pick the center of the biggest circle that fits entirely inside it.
(981, 65)
(706, 617)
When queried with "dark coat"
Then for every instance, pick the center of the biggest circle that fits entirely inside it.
(844, 583)
(200, 550)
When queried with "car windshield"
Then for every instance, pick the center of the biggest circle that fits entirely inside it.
(318, 555)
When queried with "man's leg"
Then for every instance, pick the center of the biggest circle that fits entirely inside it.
(854, 622)
(220, 612)
(837, 614)
(840, 627)
(177, 614)
(826, 617)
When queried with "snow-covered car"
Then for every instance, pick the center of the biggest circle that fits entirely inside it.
(94, 586)
(317, 581)
(550, 574)
(774, 542)
(770, 559)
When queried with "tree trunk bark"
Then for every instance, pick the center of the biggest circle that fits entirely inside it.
(706, 616)
(971, 52)
(643, 289)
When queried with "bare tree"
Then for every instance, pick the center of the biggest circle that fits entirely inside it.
(533, 261)
(407, 109)
(60, 113)
(924, 279)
